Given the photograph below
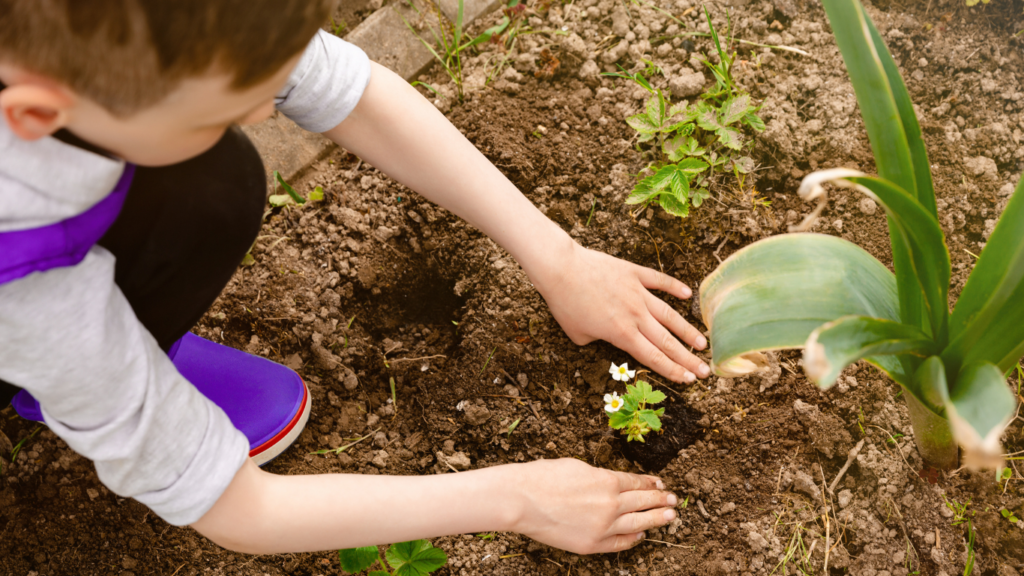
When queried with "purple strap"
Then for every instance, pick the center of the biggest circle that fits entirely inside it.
(65, 243)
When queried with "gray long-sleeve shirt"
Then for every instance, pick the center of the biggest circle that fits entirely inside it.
(69, 336)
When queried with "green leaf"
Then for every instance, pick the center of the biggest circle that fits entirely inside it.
(642, 123)
(619, 420)
(744, 164)
(357, 559)
(735, 108)
(698, 196)
(650, 417)
(416, 558)
(288, 188)
(730, 137)
(656, 108)
(486, 36)
(674, 147)
(922, 240)
(927, 406)
(775, 292)
(980, 406)
(692, 166)
(754, 121)
(317, 194)
(987, 324)
(680, 186)
(707, 117)
(651, 186)
(674, 205)
(836, 345)
(377, 573)
(247, 260)
(886, 132)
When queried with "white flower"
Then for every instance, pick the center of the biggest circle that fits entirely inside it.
(621, 373)
(612, 402)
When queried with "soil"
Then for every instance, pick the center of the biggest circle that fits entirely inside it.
(375, 284)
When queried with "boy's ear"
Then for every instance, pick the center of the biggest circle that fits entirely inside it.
(34, 111)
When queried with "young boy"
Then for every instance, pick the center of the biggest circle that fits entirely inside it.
(127, 199)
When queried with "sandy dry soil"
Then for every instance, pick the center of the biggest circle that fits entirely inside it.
(375, 284)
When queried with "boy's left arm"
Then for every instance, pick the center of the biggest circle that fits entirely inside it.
(591, 294)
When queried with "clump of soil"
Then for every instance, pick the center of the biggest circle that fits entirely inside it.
(679, 430)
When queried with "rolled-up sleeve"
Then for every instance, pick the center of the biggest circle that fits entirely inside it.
(326, 84)
(106, 388)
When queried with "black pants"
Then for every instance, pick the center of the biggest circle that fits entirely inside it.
(181, 235)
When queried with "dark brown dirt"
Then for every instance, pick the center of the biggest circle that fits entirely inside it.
(375, 283)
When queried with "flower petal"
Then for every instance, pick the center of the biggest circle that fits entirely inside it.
(614, 369)
(631, 373)
(607, 398)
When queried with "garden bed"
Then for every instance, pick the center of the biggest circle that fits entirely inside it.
(374, 284)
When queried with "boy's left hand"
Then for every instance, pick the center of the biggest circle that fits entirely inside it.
(599, 297)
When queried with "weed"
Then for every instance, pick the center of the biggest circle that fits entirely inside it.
(1009, 516)
(1004, 475)
(488, 361)
(394, 397)
(959, 510)
(338, 27)
(415, 558)
(892, 439)
(291, 197)
(487, 536)
(340, 449)
(513, 426)
(20, 445)
(969, 565)
(692, 142)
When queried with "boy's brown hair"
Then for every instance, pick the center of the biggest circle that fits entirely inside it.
(128, 54)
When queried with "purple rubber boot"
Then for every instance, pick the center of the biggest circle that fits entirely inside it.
(268, 402)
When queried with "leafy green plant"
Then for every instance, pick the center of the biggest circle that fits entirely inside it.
(630, 413)
(1009, 516)
(840, 304)
(415, 558)
(692, 141)
(291, 197)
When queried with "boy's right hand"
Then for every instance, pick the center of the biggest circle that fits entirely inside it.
(573, 506)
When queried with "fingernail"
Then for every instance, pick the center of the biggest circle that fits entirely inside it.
(689, 377)
(704, 370)
(702, 342)
(669, 515)
(640, 536)
(672, 500)
(687, 292)
(659, 484)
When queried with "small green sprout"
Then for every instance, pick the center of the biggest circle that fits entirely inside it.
(630, 412)
(1003, 475)
(1009, 516)
(416, 558)
(959, 510)
(486, 536)
(512, 426)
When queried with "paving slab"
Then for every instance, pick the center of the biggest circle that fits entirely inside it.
(387, 40)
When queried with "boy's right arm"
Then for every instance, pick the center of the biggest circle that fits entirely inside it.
(564, 503)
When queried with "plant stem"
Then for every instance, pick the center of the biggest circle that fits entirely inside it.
(933, 436)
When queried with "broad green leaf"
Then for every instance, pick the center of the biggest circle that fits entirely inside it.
(656, 397)
(837, 344)
(932, 432)
(884, 127)
(416, 558)
(619, 420)
(656, 108)
(980, 406)
(288, 188)
(730, 137)
(642, 123)
(692, 166)
(987, 324)
(278, 200)
(680, 186)
(775, 292)
(754, 121)
(317, 194)
(744, 164)
(675, 147)
(377, 573)
(357, 559)
(692, 147)
(674, 206)
(925, 244)
(650, 417)
(707, 118)
(648, 188)
(735, 108)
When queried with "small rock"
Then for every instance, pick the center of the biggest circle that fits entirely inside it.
(929, 538)
(350, 380)
(92, 493)
(945, 511)
(757, 542)
(838, 225)
(477, 415)
(867, 206)
(380, 460)
(620, 21)
(804, 483)
(459, 461)
(294, 362)
(687, 84)
(982, 166)
(845, 498)
(129, 563)
(1006, 190)
(372, 420)
(726, 508)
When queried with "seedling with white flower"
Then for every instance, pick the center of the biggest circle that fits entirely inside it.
(630, 413)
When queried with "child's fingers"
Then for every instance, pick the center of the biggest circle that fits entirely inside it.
(628, 482)
(642, 521)
(640, 500)
(654, 280)
(670, 318)
(619, 542)
(670, 353)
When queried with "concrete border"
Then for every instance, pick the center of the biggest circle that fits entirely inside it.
(386, 38)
